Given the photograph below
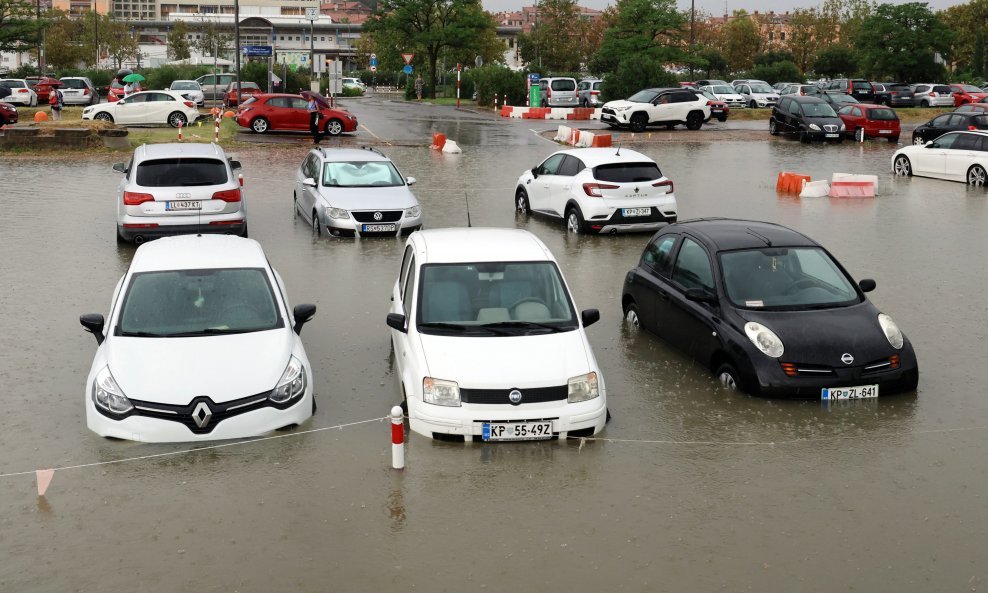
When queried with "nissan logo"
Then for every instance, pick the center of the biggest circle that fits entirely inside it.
(378, 216)
(515, 397)
(846, 358)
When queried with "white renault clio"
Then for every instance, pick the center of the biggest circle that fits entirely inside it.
(199, 345)
(488, 341)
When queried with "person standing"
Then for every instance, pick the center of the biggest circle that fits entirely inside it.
(313, 109)
(55, 102)
(128, 89)
(418, 86)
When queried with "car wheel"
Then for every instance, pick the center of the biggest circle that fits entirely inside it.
(977, 176)
(752, 104)
(694, 121)
(120, 239)
(773, 127)
(316, 227)
(243, 233)
(918, 140)
(334, 127)
(924, 103)
(631, 316)
(722, 118)
(104, 116)
(260, 125)
(639, 122)
(177, 119)
(804, 137)
(521, 202)
(902, 166)
(894, 139)
(728, 377)
(574, 221)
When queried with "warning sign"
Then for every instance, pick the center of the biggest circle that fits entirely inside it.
(408, 58)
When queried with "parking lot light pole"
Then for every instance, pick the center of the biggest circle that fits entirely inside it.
(236, 49)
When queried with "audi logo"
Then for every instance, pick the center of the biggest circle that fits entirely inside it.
(183, 196)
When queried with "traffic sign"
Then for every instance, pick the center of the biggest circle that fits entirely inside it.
(407, 69)
(408, 58)
(373, 61)
(373, 68)
(534, 77)
(257, 50)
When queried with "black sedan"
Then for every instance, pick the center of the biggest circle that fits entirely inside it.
(949, 122)
(809, 118)
(768, 310)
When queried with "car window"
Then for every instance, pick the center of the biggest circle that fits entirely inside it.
(564, 84)
(571, 166)
(627, 172)
(278, 101)
(692, 268)
(73, 83)
(860, 85)
(297, 103)
(882, 114)
(683, 97)
(596, 85)
(551, 165)
(982, 144)
(160, 97)
(946, 141)
(136, 98)
(403, 274)
(361, 174)
(942, 89)
(940, 120)
(799, 277)
(643, 97)
(957, 120)
(657, 254)
(794, 108)
(965, 142)
(583, 86)
(184, 86)
(181, 172)
(406, 297)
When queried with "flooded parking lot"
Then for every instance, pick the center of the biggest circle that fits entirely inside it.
(690, 488)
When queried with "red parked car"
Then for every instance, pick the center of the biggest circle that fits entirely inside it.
(43, 86)
(266, 112)
(718, 108)
(966, 93)
(8, 114)
(247, 90)
(872, 121)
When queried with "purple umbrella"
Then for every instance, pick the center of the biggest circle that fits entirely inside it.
(319, 98)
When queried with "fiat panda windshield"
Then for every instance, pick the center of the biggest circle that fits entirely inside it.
(361, 174)
(184, 303)
(785, 278)
(494, 298)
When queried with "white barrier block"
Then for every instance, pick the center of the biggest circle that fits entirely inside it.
(585, 141)
(563, 134)
(558, 113)
(596, 113)
(517, 112)
(815, 189)
(451, 148)
(872, 179)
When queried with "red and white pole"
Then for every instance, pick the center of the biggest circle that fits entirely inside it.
(495, 101)
(216, 136)
(505, 103)
(180, 131)
(459, 67)
(397, 438)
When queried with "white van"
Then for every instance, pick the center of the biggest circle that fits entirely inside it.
(559, 92)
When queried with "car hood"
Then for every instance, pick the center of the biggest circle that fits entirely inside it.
(729, 96)
(823, 336)
(623, 104)
(369, 198)
(765, 95)
(507, 361)
(176, 370)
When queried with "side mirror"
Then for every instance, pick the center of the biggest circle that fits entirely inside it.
(302, 314)
(867, 285)
(410, 180)
(535, 172)
(235, 165)
(700, 295)
(589, 317)
(308, 181)
(120, 167)
(93, 322)
(930, 144)
(397, 321)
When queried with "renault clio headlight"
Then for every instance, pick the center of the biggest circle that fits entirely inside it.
(582, 388)
(337, 213)
(891, 330)
(440, 392)
(764, 339)
(291, 384)
(108, 396)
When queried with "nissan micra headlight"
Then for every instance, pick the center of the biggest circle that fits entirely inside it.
(582, 388)
(337, 213)
(440, 392)
(108, 396)
(764, 339)
(891, 330)
(291, 384)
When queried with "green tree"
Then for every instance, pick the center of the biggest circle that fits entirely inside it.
(783, 71)
(805, 34)
(64, 47)
(18, 26)
(213, 42)
(554, 45)
(178, 41)
(835, 62)
(646, 30)
(742, 41)
(772, 56)
(902, 42)
(843, 19)
(713, 62)
(968, 23)
(428, 27)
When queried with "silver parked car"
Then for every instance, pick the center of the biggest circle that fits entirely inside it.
(933, 95)
(189, 89)
(355, 192)
(558, 92)
(177, 189)
(757, 94)
(78, 90)
(588, 92)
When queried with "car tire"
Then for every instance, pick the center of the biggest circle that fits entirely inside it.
(804, 137)
(977, 176)
(177, 118)
(902, 166)
(316, 227)
(752, 104)
(243, 233)
(638, 122)
(521, 202)
(728, 377)
(894, 139)
(574, 221)
(918, 140)
(103, 116)
(259, 125)
(631, 316)
(694, 120)
(924, 103)
(120, 239)
(722, 118)
(773, 127)
(334, 127)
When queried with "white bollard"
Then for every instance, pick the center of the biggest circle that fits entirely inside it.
(397, 438)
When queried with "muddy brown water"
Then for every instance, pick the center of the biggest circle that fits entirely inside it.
(698, 490)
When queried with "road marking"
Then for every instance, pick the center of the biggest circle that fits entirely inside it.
(539, 135)
(369, 131)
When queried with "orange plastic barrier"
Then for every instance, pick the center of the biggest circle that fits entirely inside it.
(601, 140)
(574, 137)
(506, 111)
(790, 183)
(852, 189)
(438, 141)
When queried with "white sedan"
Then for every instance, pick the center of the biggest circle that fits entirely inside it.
(20, 92)
(199, 345)
(955, 156)
(727, 94)
(146, 108)
(189, 89)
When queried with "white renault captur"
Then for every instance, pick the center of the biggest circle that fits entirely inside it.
(488, 341)
(199, 345)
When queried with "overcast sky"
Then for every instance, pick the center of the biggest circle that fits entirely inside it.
(712, 6)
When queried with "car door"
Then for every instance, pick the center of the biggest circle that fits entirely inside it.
(691, 326)
(160, 106)
(931, 160)
(561, 187)
(745, 91)
(539, 189)
(960, 155)
(793, 116)
(298, 114)
(403, 297)
(308, 197)
(131, 110)
(649, 282)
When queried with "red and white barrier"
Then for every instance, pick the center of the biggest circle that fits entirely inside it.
(397, 438)
(569, 113)
(850, 185)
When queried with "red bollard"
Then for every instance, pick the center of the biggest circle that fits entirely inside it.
(397, 438)
(179, 131)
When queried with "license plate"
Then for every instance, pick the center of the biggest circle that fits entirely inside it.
(833, 135)
(859, 392)
(517, 431)
(635, 211)
(378, 228)
(185, 205)
(884, 131)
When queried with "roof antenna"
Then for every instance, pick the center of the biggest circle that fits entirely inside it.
(466, 198)
(618, 153)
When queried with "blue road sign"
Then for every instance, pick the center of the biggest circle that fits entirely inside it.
(534, 77)
(407, 69)
(257, 50)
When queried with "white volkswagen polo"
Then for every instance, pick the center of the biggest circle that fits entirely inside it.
(199, 345)
(488, 341)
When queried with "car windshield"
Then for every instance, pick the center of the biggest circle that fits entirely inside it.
(627, 172)
(181, 172)
(790, 278)
(761, 88)
(14, 84)
(361, 174)
(73, 83)
(722, 89)
(818, 110)
(198, 303)
(969, 88)
(882, 114)
(709, 95)
(861, 85)
(643, 97)
(494, 298)
(187, 85)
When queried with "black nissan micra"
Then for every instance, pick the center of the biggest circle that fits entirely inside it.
(768, 310)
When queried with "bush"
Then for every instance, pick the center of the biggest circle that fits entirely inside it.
(634, 74)
(162, 76)
(498, 80)
(351, 91)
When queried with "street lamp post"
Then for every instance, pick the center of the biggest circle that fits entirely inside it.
(96, 29)
(236, 35)
(692, 29)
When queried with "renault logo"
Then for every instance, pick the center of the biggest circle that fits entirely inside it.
(201, 414)
(378, 216)
(846, 358)
(515, 397)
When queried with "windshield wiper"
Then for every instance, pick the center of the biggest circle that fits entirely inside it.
(462, 328)
(526, 324)
(212, 331)
(143, 334)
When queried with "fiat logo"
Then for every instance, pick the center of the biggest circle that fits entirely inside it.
(515, 397)
(378, 216)
(846, 358)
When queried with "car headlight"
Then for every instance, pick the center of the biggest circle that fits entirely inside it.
(891, 330)
(841, 127)
(108, 396)
(764, 339)
(440, 392)
(337, 213)
(814, 127)
(291, 384)
(582, 388)
(413, 212)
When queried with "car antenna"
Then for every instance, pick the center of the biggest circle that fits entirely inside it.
(466, 198)
(618, 153)
(768, 242)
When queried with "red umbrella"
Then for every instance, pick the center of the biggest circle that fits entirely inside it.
(319, 98)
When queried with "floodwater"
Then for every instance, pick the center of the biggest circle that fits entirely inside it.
(695, 488)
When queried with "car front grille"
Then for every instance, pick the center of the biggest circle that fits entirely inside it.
(531, 395)
(830, 128)
(813, 370)
(201, 415)
(370, 216)
(608, 111)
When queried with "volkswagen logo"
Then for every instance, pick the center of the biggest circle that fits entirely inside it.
(515, 397)
(183, 196)
(378, 216)
(201, 414)
(846, 358)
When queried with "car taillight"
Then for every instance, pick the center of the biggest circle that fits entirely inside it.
(594, 92)
(229, 195)
(666, 183)
(593, 189)
(894, 93)
(23, 90)
(189, 104)
(971, 128)
(85, 92)
(134, 198)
